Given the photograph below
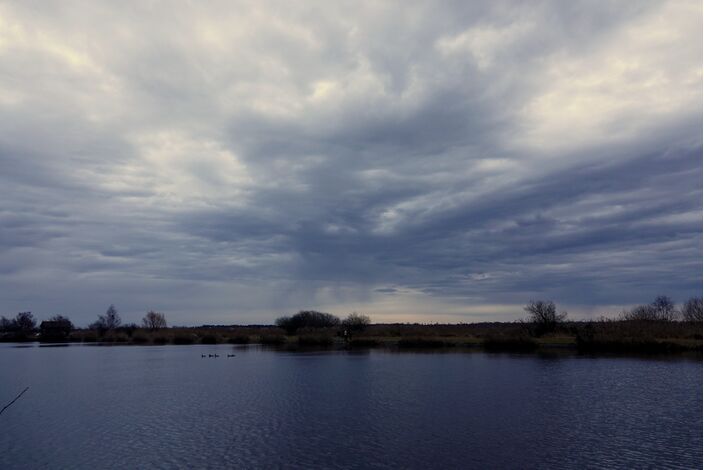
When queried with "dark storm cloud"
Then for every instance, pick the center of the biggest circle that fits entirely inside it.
(524, 228)
(229, 164)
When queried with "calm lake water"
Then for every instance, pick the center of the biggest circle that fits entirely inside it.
(166, 406)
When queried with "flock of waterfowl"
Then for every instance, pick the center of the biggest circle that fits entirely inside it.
(216, 355)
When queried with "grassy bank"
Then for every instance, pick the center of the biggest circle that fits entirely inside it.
(612, 336)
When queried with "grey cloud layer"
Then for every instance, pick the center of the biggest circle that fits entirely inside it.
(232, 162)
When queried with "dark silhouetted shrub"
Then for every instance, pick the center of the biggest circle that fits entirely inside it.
(307, 319)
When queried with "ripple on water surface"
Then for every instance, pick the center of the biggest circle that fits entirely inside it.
(166, 406)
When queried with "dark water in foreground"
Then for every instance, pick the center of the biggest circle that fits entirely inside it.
(165, 406)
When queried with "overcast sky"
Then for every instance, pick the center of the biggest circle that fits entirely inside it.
(414, 161)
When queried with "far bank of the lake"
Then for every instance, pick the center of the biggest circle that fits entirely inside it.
(589, 337)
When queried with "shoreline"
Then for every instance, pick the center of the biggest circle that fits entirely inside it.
(612, 337)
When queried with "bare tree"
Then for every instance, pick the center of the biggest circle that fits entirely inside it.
(544, 316)
(661, 309)
(109, 321)
(356, 322)
(692, 310)
(112, 318)
(20, 326)
(154, 320)
(639, 313)
(6, 325)
(25, 322)
(664, 308)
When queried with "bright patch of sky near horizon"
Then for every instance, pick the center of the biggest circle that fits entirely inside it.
(232, 162)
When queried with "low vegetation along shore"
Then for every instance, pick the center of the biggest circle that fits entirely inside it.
(658, 327)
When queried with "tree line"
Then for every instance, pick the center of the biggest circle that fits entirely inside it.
(23, 325)
(310, 319)
(544, 317)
